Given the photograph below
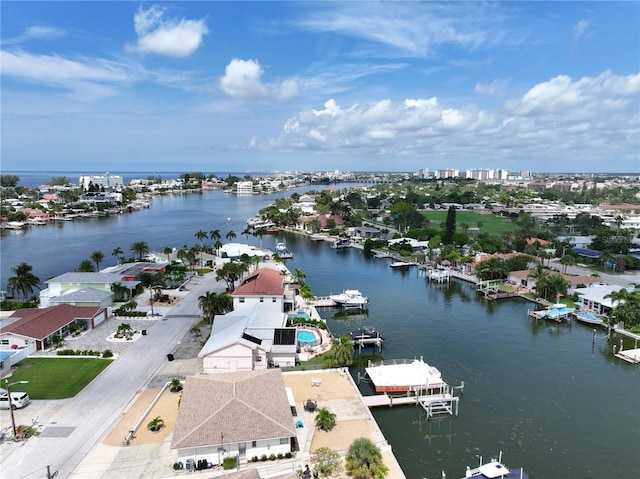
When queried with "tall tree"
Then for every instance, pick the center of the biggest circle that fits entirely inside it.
(85, 266)
(97, 257)
(117, 253)
(214, 235)
(24, 280)
(230, 235)
(139, 248)
(213, 304)
(449, 225)
(150, 281)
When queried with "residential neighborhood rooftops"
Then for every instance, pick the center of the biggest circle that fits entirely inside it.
(40, 323)
(265, 281)
(233, 407)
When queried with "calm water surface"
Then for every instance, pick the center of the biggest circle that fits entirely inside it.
(542, 393)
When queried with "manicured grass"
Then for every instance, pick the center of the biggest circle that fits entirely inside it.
(490, 224)
(56, 378)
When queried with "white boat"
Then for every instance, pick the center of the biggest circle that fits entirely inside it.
(495, 469)
(400, 264)
(349, 299)
(402, 375)
(283, 251)
(589, 318)
(341, 243)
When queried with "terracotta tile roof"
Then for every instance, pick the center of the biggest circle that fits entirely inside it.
(225, 408)
(264, 282)
(540, 241)
(40, 323)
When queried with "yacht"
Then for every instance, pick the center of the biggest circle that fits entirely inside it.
(283, 251)
(350, 298)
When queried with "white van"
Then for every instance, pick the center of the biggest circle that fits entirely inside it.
(18, 400)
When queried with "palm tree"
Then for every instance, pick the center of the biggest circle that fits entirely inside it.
(364, 460)
(175, 385)
(24, 280)
(299, 276)
(97, 257)
(565, 261)
(260, 232)
(217, 246)
(167, 250)
(246, 232)
(117, 252)
(214, 235)
(325, 419)
(155, 424)
(213, 304)
(342, 353)
(201, 235)
(148, 280)
(230, 235)
(139, 248)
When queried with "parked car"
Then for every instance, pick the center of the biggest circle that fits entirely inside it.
(18, 400)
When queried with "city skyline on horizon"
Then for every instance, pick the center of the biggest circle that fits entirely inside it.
(321, 86)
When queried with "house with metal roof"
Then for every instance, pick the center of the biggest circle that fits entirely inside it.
(33, 328)
(83, 289)
(245, 414)
(595, 298)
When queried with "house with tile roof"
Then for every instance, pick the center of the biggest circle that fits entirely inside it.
(243, 414)
(266, 286)
(33, 328)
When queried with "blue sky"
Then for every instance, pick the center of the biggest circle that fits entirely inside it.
(361, 86)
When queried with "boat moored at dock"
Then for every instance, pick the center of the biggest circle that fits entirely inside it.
(366, 336)
(350, 299)
(283, 251)
(495, 469)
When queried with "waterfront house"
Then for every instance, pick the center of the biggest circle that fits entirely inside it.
(524, 279)
(249, 338)
(594, 298)
(84, 288)
(33, 328)
(267, 287)
(245, 414)
(306, 222)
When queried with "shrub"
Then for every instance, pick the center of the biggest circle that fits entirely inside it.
(107, 353)
(280, 456)
(272, 457)
(288, 455)
(254, 459)
(155, 424)
(263, 457)
(230, 462)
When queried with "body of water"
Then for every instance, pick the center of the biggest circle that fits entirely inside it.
(542, 392)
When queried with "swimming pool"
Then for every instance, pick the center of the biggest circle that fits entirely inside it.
(5, 354)
(307, 337)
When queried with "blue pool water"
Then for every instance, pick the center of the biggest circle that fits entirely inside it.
(5, 354)
(307, 338)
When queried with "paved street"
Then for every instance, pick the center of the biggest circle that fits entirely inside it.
(81, 422)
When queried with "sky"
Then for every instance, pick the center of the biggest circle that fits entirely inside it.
(214, 86)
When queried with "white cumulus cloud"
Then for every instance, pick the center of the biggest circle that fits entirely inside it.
(243, 79)
(161, 36)
(582, 119)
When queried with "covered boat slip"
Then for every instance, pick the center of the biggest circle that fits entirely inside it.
(401, 376)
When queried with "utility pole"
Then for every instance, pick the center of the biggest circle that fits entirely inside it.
(49, 474)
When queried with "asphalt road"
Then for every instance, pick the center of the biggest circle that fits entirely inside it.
(86, 419)
(619, 279)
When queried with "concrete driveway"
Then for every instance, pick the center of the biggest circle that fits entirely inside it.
(71, 429)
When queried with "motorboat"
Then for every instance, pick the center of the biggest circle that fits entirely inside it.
(341, 243)
(400, 264)
(349, 299)
(495, 469)
(402, 375)
(366, 335)
(283, 251)
(589, 318)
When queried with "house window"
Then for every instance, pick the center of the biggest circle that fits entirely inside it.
(5, 341)
(254, 443)
(284, 440)
(262, 299)
(241, 299)
(274, 299)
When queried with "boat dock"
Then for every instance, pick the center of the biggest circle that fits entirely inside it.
(322, 302)
(433, 404)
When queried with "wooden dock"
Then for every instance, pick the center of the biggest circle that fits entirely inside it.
(322, 302)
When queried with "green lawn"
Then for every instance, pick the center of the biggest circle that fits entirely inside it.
(490, 223)
(56, 378)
